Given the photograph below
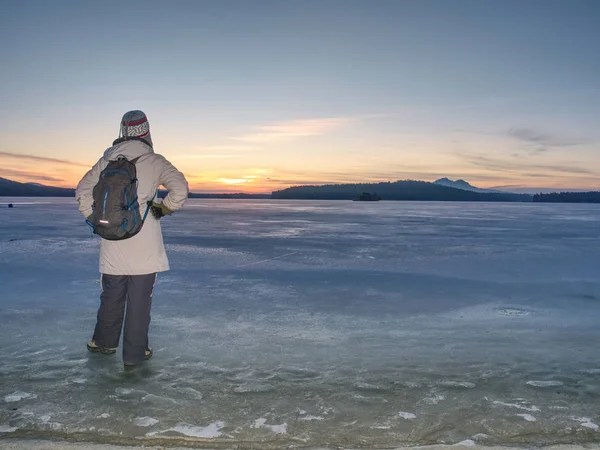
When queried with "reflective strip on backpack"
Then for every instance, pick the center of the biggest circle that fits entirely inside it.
(104, 206)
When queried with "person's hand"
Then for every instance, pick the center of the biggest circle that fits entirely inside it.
(159, 210)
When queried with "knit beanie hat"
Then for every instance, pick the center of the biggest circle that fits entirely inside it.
(135, 124)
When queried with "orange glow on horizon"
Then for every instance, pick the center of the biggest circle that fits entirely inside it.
(220, 178)
(257, 185)
(232, 180)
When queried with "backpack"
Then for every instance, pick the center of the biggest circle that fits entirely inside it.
(116, 211)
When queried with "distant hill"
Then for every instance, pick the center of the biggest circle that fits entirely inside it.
(536, 190)
(462, 184)
(398, 190)
(568, 197)
(10, 188)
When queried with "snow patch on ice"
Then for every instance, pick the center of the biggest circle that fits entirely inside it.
(539, 383)
(527, 417)
(7, 429)
(277, 429)
(433, 400)
(586, 422)
(367, 386)
(309, 417)
(463, 384)
(18, 396)
(521, 406)
(327, 409)
(513, 312)
(480, 436)
(158, 399)
(145, 421)
(250, 387)
(54, 426)
(407, 415)
(410, 384)
(465, 443)
(103, 416)
(123, 391)
(211, 431)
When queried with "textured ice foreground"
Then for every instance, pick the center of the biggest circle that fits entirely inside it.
(314, 324)
(17, 444)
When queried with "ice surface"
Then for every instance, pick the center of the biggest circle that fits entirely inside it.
(28, 444)
(298, 323)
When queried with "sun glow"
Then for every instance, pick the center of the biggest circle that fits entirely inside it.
(233, 180)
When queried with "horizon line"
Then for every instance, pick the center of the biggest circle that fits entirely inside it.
(532, 190)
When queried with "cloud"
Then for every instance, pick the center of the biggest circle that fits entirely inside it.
(42, 159)
(298, 182)
(231, 148)
(205, 156)
(295, 129)
(11, 173)
(217, 152)
(356, 174)
(542, 139)
(522, 166)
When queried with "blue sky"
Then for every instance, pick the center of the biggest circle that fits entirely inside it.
(259, 95)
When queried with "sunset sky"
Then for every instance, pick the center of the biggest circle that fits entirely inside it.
(254, 96)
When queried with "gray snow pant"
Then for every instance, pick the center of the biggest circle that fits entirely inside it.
(118, 291)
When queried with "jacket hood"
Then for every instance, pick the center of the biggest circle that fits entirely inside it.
(130, 149)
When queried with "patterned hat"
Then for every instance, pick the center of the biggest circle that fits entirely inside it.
(135, 124)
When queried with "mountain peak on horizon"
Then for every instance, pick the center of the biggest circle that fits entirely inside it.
(459, 184)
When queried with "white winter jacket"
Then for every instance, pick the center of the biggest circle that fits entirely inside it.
(143, 253)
